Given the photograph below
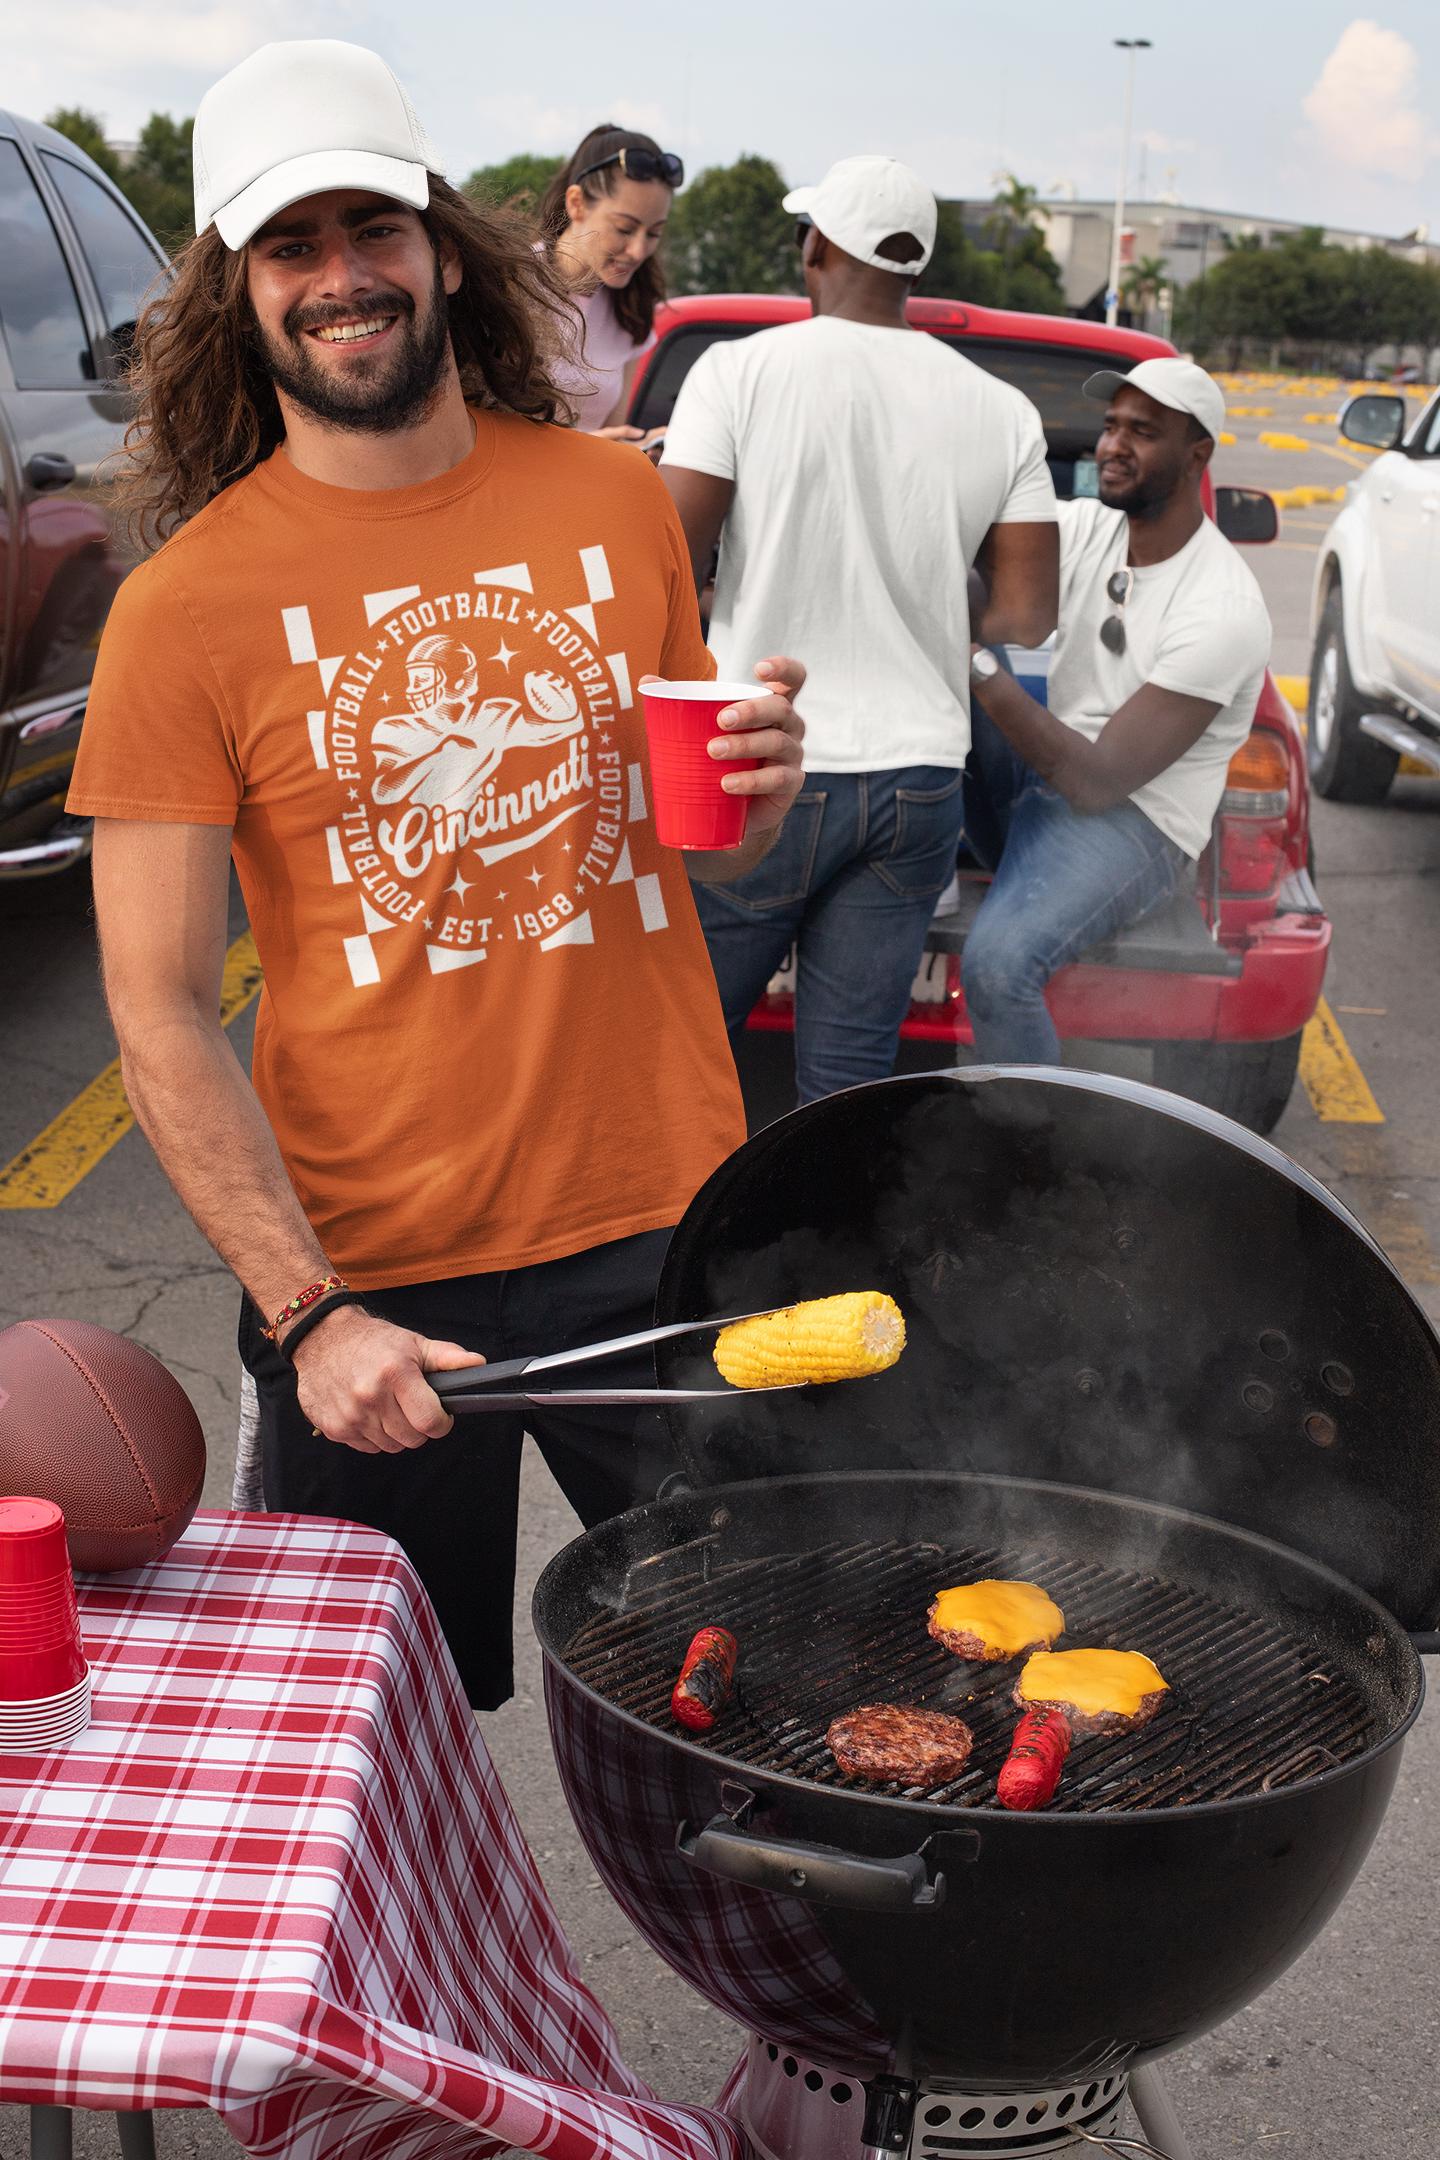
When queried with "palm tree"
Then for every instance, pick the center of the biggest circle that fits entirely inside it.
(1144, 281)
(1016, 206)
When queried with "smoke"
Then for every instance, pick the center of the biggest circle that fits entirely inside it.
(1363, 108)
(1097, 1293)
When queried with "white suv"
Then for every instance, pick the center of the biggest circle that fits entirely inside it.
(1375, 670)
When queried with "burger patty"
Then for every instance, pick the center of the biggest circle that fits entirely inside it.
(1087, 1725)
(976, 1649)
(910, 1747)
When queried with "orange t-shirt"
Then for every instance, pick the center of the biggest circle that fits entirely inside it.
(489, 1033)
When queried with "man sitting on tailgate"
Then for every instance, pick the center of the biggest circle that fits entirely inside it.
(1090, 811)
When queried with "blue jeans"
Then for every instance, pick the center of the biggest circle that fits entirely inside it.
(852, 881)
(1063, 881)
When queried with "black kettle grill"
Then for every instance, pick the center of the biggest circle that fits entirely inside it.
(1152, 1365)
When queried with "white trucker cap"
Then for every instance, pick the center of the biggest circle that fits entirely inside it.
(1180, 384)
(298, 118)
(864, 200)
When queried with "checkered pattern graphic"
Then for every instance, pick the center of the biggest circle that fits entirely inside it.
(278, 1876)
(759, 1955)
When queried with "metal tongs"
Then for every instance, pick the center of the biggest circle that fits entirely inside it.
(493, 1387)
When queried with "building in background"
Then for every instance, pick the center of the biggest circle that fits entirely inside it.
(1186, 239)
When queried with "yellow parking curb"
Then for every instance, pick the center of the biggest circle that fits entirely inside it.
(1338, 1090)
(42, 1174)
(1273, 440)
(1305, 497)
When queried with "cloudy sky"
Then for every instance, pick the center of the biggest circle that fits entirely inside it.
(1309, 112)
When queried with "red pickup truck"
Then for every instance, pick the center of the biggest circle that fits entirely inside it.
(1221, 980)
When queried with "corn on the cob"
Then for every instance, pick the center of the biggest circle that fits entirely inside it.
(833, 1338)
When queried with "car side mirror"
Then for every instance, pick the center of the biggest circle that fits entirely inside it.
(1246, 515)
(1374, 419)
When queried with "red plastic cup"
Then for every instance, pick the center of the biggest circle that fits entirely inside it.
(692, 810)
(41, 1657)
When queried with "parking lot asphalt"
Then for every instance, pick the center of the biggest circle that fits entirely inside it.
(1337, 2060)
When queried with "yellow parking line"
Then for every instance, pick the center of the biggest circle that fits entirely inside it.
(1338, 1090)
(42, 1174)
(1346, 457)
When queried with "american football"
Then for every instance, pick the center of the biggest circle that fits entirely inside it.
(550, 696)
(93, 1422)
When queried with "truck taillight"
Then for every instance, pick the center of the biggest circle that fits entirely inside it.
(1258, 781)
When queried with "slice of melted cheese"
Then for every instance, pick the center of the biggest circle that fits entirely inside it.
(1006, 1616)
(1097, 1683)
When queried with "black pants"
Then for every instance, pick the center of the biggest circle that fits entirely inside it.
(452, 1503)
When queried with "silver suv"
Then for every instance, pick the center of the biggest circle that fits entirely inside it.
(1375, 669)
(74, 260)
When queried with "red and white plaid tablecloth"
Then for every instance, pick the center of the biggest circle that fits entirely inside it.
(279, 1877)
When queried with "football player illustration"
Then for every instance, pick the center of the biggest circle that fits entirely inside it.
(442, 750)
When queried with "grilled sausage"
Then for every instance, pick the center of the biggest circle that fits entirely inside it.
(1111, 1683)
(909, 1747)
(703, 1688)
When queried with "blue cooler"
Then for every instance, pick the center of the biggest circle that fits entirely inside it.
(1032, 669)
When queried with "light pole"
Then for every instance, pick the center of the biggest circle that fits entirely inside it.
(1112, 296)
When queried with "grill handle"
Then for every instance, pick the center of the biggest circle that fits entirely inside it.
(822, 1874)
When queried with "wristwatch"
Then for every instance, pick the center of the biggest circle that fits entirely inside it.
(984, 666)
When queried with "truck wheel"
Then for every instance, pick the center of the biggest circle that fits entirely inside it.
(1250, 1082)
(1345, 765)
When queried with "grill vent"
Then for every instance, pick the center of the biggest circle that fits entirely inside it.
(794, 2110)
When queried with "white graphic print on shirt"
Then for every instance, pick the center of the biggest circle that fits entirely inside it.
(475, 740)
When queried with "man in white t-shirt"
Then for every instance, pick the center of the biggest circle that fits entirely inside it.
(859, 470)
(1091, 811)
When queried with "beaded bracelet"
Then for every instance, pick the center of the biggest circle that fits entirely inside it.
(311, 1317)
(301, 1299)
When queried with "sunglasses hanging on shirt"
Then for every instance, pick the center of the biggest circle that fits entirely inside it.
(1118, 587)
(642, 165)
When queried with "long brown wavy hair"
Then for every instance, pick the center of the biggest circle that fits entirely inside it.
(207, 412)
(635, 303)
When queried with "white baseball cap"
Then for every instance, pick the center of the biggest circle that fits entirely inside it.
(1180, 384)
(298, 118)
(864, 200)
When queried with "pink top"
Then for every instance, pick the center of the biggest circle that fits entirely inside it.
(609, 349)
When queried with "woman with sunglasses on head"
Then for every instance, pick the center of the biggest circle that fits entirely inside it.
(602, 218)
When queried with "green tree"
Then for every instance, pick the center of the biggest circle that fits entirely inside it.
(1144, 281)
(159, 179)
(957, 269)
(729, 232)
(87, 131)
(1017, 208)
(1027, 278)
(517, 184)
(1311, 301)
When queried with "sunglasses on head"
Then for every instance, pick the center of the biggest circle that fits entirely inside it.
(641, 165)
(804, 226)
(1118, 587)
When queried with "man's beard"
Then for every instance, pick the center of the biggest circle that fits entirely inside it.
(379, 395)
(1141, 498)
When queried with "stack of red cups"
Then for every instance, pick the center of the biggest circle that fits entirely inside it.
(44, 1679)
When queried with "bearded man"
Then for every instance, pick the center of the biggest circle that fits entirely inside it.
(482, 1091)
(1090, 811)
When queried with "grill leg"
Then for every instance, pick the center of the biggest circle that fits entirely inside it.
(1158, 2120)
(137, 2134)
(50, 2133)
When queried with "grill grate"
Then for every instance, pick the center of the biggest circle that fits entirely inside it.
(1252, 1706)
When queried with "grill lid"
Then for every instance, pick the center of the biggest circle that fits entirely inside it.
(1103, 1286)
